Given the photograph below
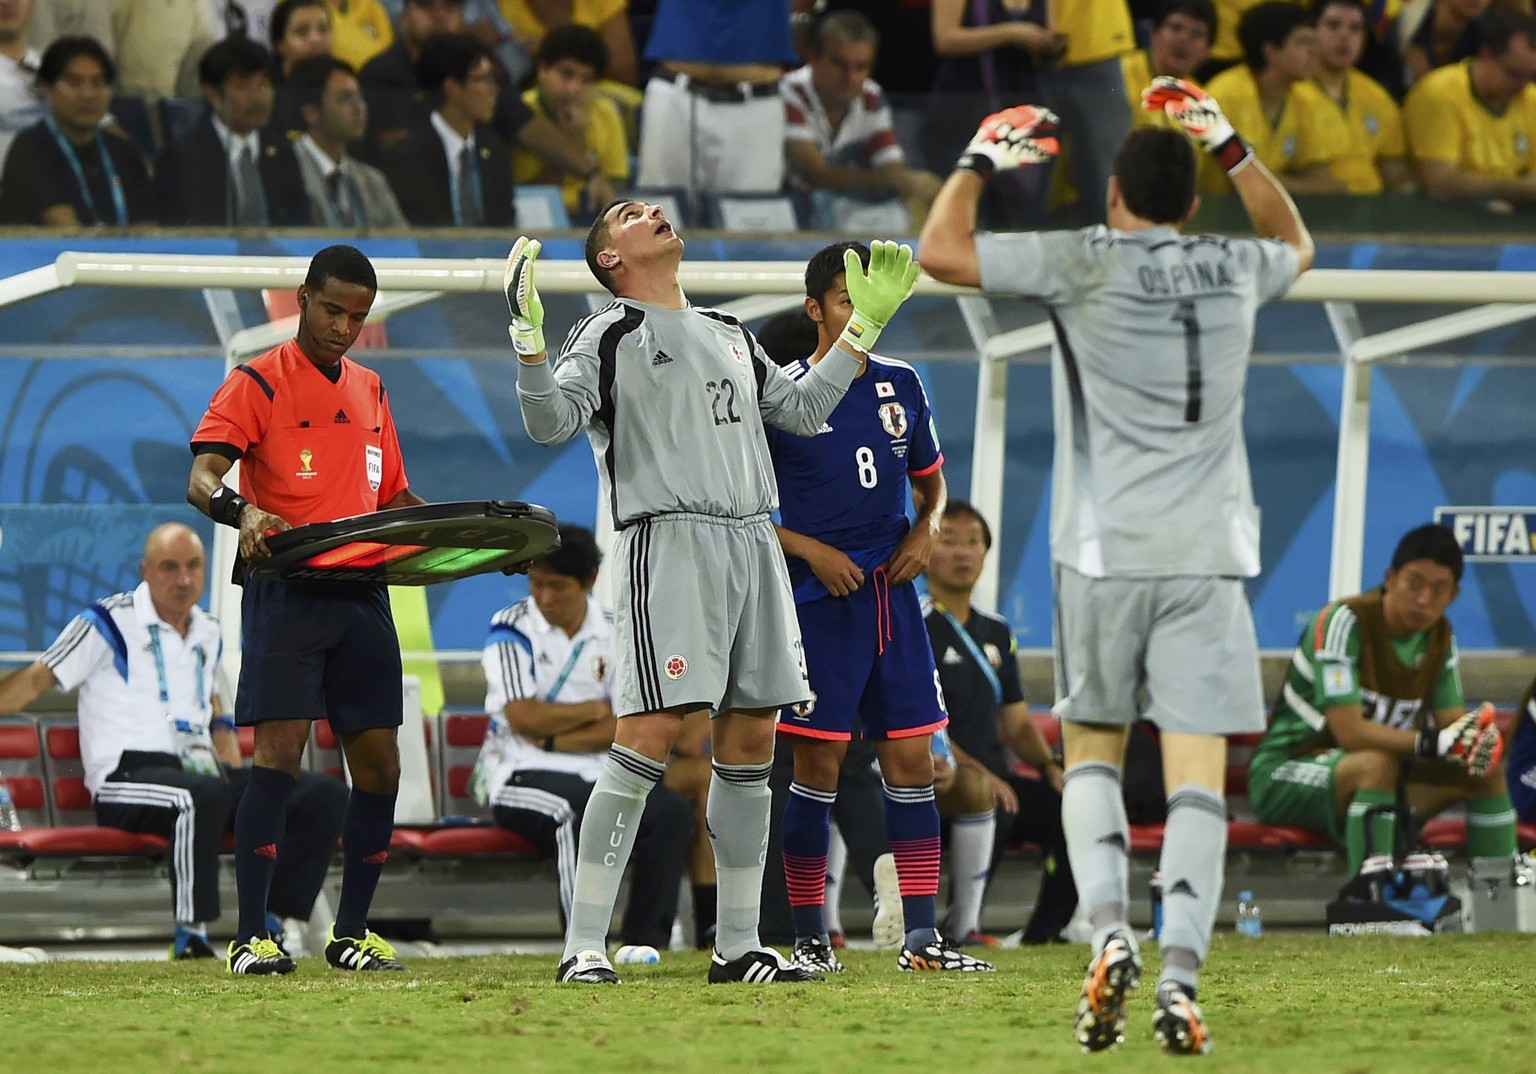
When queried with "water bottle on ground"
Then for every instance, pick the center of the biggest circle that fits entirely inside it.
(1249, 923)
(10, 821)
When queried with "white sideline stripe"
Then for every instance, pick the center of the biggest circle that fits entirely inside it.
(559, 810)
(158, 795)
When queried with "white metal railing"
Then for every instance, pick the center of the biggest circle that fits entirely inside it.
(1496, 299)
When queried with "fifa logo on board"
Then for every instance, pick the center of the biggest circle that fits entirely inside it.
(1492, 533)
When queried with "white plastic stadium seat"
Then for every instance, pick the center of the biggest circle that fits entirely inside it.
(747, 212)
(840, 212)
(540, 208)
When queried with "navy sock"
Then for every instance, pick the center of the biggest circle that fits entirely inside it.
(912, 822)
(807, 834)
(259, 821)
(365, 834)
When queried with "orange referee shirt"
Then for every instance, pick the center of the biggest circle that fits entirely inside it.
(309, 450)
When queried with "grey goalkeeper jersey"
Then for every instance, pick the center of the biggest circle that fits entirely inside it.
(1154, 331)
(674, 403)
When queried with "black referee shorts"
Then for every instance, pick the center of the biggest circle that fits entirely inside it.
(315, 651)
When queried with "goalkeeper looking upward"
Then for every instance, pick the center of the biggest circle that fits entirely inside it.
(1374, 694)
(673, 398)
(1153, 524)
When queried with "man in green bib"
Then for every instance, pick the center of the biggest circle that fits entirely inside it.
(1374, 693)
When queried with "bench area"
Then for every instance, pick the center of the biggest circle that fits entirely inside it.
(64, 876)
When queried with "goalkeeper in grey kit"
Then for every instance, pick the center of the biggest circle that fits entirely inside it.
(673, 398)
(1153, 523)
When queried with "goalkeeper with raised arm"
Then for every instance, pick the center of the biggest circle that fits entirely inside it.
(673, 398)
(1373, 698)
(1153, 524)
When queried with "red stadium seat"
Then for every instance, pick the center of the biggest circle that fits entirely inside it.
(478, 841)
(90, 842)
(71, 802)
(463, 734)
(1050, 726)
(21, 763)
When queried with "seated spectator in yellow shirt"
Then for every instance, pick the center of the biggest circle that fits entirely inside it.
(1182, 31)
(1272, 102)
(1471, 127)
(571, 61)
(1369, 154)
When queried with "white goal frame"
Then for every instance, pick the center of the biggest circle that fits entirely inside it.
(1494, 300)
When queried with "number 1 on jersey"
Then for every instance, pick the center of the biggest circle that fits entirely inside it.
(1184, 313)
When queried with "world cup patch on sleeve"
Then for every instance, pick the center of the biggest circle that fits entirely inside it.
(1338, 680)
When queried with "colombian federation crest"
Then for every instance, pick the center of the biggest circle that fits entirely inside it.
(894, 417)
(1372, 124)
(675, 666)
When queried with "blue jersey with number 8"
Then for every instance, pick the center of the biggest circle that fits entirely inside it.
(847, 486)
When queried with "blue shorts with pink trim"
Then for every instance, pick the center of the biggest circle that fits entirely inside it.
(868, 657)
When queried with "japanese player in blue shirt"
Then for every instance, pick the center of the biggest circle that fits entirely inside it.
(853, 556)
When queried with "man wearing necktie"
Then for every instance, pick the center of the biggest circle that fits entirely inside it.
(227, 170)
(343, 192)
(453, 170)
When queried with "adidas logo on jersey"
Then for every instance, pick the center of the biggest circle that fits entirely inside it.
(662, 358)
(952, 657)
(342, 419)
(825, 428)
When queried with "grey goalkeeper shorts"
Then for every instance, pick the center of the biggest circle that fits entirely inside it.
(705, 617)
(1179, 651)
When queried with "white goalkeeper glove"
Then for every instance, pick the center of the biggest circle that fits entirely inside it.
(1201, 117)
(527, 330)
(1024, 134)
(1472, 741)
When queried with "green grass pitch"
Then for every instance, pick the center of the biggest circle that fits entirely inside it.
(1298, 1004)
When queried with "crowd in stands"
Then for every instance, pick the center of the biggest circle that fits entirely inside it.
(216, 113)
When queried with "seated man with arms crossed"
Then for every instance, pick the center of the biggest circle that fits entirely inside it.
(549, 689)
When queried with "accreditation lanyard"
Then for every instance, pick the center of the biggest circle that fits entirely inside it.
(565, 672)
(119, 202)
(165, 684)
(976, 653)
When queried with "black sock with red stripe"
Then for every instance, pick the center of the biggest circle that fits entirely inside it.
(365, 836)
(259, 821)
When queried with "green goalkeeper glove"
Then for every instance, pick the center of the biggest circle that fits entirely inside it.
(527, 330)
(878, 293)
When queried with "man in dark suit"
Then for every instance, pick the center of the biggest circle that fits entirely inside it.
(453, 170)
(228, 170)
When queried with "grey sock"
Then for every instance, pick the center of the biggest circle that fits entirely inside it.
(1098, 842)
(737, 814)
(602, 850)
(1193, 864)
